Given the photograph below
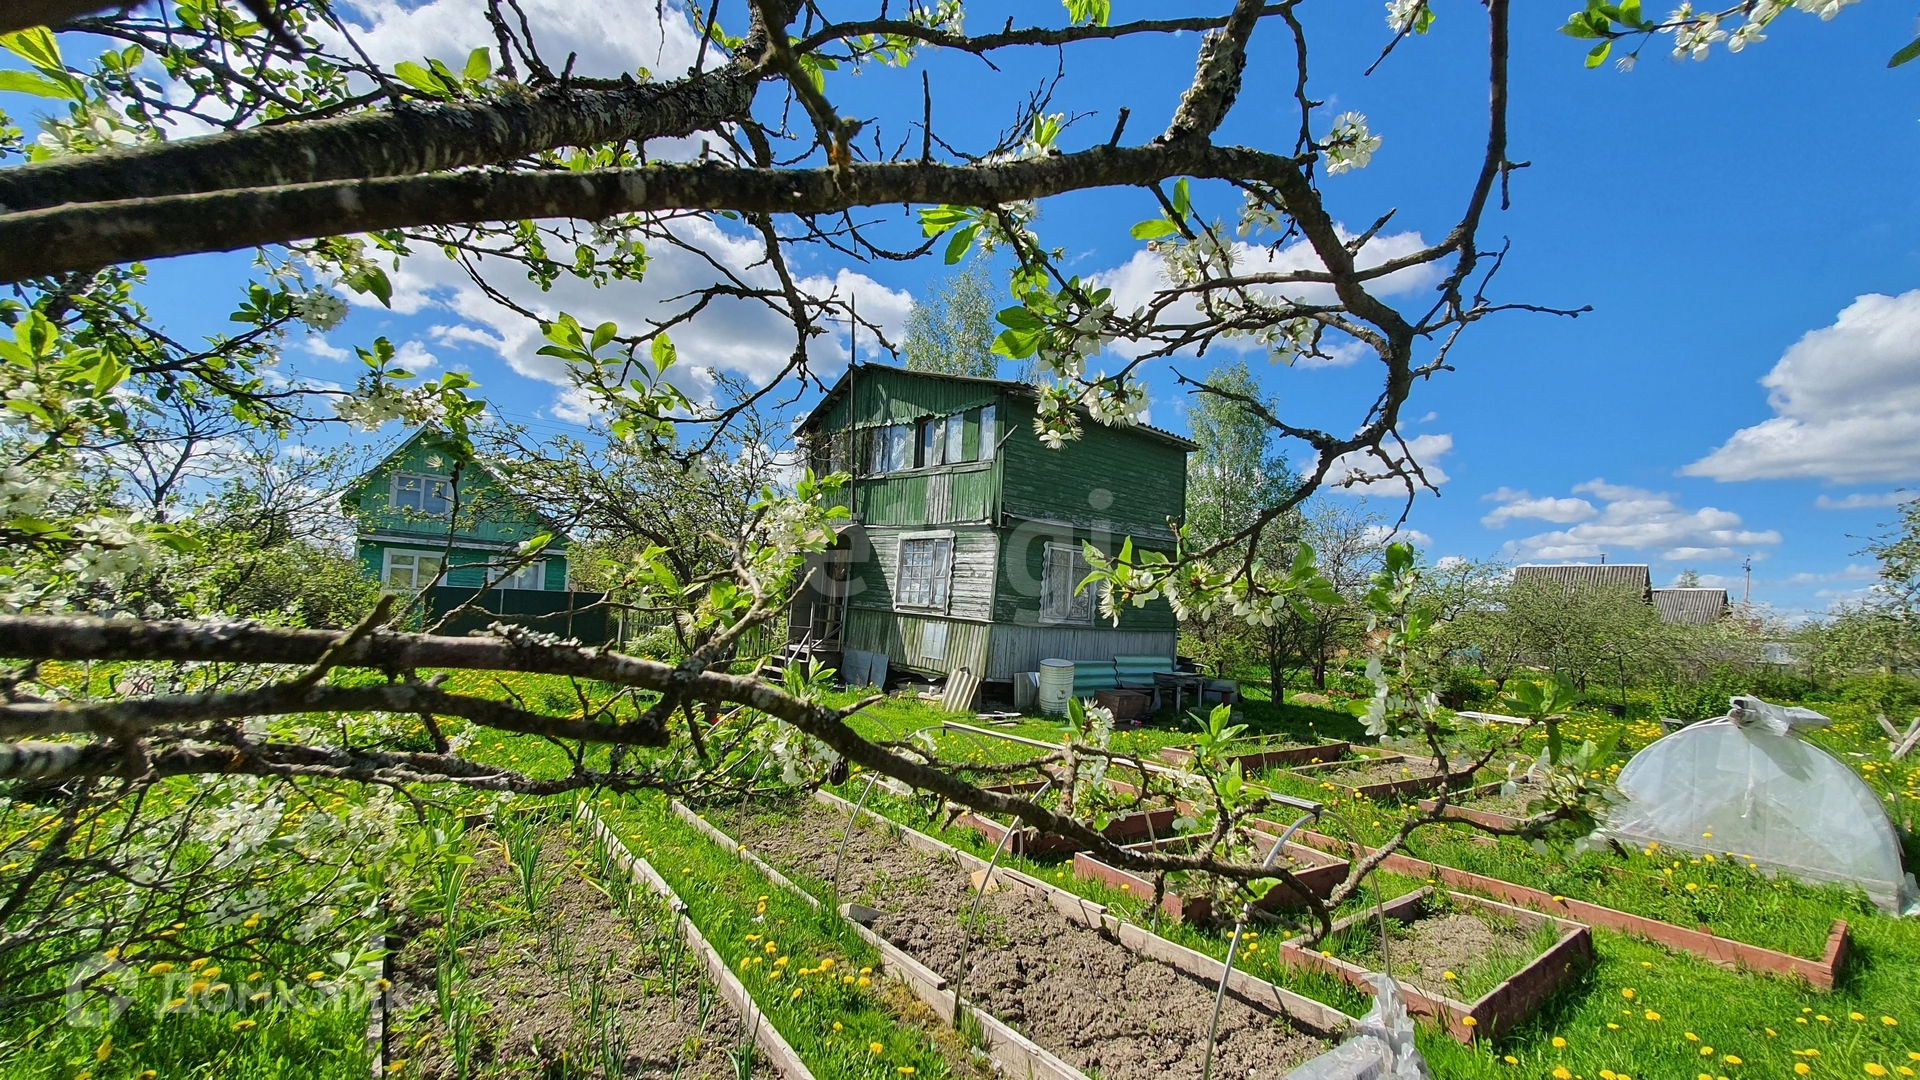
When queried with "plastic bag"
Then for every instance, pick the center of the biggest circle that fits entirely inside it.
(1751, 712)
(1381, 1047)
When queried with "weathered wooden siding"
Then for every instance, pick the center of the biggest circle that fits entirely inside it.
(969, 590)
(943, 495)
(883, 395)
(1121, 480)
(466, 567)
(907, 640)
(1021, 648)
(1022, 563)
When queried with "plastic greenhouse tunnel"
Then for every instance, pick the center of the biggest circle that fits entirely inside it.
(1747, 785)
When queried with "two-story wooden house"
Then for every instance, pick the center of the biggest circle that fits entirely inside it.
(421, 523)
(965, 543)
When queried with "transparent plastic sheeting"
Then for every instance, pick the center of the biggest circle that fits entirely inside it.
(1746, 784)
(1381, 1047)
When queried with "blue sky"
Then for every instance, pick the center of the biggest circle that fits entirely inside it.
(1748, 215)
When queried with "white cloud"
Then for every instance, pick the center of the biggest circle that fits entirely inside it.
(1135, 282)
(738, 335)
(1426, 451)
(608, 40)
(1846, 402)
(1383, 535)
(1636, 519)
(1865, 500)
(325, 350)
(1516, 505)
(414, 357)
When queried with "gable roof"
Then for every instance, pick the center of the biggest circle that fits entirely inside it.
(970, 387)
(391, 457)
(1691, 607)
(1630, 576)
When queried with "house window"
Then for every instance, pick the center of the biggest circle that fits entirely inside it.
(1064, 569)
(892, 449)
(933, 442)
(988, 437)
(411, 571)
(531, 576)
(422, 494)
(956, 437)
(926, 562)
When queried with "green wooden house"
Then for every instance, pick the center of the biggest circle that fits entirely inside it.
(421, 524)
(965, 545)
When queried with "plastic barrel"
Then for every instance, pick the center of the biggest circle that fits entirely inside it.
(1056, 686)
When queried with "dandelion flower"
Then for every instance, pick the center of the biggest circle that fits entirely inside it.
(242, 1025)
(1691, 1037)
(1801, 1068)
(1627, 993)
(836, 1025)
(874, 1048)
(1613, 1027)
(1511, 1060)
(905, 1070)
(1559, 1043)
(1560, 1073)
(1469, 1021)
(1874, 1068)
(1653, 1016)
(1889, 1021)
(1734, 1059)
(1856, 1016)
(863, 982)
(1706, 1051)
(1449, 976)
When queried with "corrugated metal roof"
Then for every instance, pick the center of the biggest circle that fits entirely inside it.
(961, 392)
(1691, 607)
(1632, 576)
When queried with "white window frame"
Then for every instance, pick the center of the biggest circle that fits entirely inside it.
(940, 580)
(1080, 608)
(428, 485)
(989, 438)
(535, 571)
(387, 559)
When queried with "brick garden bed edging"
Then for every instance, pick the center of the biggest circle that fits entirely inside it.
(1498, 1009)
(1736, 955)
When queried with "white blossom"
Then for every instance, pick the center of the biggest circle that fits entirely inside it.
(1402, 13)
(1350, 145)
(321, 310)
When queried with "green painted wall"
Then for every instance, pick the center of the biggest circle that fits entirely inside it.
(1124, 479)
(372, 555)
(1022, 562)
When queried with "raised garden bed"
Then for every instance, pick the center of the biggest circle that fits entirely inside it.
(1049, 965)
(1476, 967)
(1268, 757)
(1485, 805)
(1315, 869)
(1388, 776)
(1737, 955)
(1029, 841)
(575, 980)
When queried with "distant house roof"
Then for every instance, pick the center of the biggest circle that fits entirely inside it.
(814, 419)
(1691, 607)
(1631, 576)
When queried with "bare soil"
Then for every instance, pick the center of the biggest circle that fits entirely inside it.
(1075, 991)
(1379, 772)
(1480, 952)
(533, 978)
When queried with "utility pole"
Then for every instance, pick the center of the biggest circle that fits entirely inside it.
(1747, 596)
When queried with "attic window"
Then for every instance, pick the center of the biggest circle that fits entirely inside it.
(431, 495)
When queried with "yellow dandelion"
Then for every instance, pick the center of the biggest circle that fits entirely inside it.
(905, 1070)
(1706, 1051)
(1691, 1037)
(1856, 1016)
(1889, 1021)
(1613, 1027)
(1874, 1068)
(1560, 1073)
(797, 991)
(160, 968)
(863, 982)
(1449, 976)
(836, 1025)
(1801, 1068)
(1653, 1016)
(1468, 1021)
(1734, 1059)
(1559, 1043)
(242, 1025)
(874, 1048)
(1627, 993)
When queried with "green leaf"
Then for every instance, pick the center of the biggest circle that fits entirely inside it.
(419, 78)
(962, 240)
(1910, 52)
(26, 82)
(372, 280)
(1017, 344)
(601, 335)
(479, 64)
(663, 352)
(1182, 202)
(1577, 26)
(1019, 318)
(36, 46)
(1154, 229)
(1598, 54)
